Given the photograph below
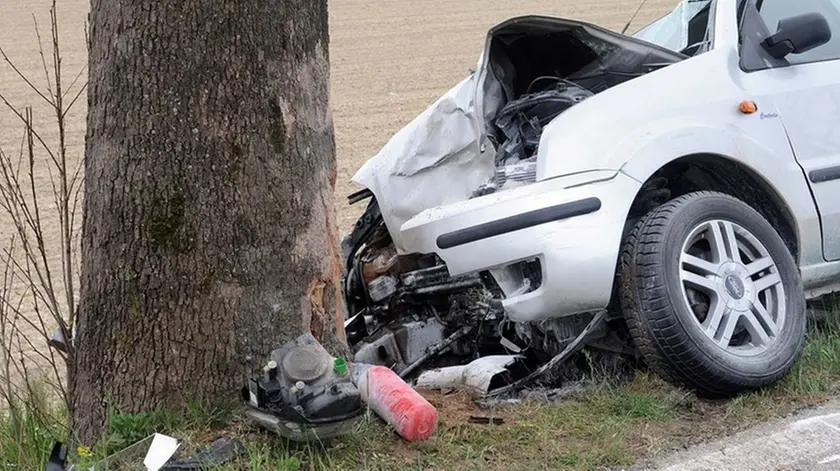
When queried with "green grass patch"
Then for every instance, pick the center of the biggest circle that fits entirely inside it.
(28, 428)
(608, 424)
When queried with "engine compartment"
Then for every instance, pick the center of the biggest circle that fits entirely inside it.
(537, 71)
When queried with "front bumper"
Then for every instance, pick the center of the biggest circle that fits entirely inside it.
(572, 225)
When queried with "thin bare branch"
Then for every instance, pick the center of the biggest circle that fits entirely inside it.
(45, 331)
(14, 201)
(56, 50)
(73, 101)
(65, 218)
(41, 52)
(35, 133)
(30, 347)
(24, 78)
(19, 316)
(76, 180)
(37, 288)
(39, 411)
(5, 339)
(75, 79)
(40, 291)
(39, 233)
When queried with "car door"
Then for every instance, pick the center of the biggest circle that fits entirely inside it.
(803, 90)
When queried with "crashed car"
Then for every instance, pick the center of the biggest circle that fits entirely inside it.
(674, 194)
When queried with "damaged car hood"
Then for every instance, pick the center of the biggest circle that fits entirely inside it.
(447, 152)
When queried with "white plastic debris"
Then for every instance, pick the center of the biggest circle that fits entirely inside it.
(161, 450)
(476, 377)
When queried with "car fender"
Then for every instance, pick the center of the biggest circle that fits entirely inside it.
(648, 152)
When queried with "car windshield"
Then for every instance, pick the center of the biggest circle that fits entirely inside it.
(683, 30)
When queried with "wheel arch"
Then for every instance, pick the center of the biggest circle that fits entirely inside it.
(716, 172)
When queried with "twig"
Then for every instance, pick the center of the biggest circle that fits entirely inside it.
(67, 239)
(73, 101)
(22, 76)
(35, 133)
(76, 79)
(41, 52)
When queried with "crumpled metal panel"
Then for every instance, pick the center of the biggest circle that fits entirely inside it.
(438, 149)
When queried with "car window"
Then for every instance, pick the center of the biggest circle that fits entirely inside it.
(682, 30)
(772, 11)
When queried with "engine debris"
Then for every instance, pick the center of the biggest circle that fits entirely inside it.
(304, 393)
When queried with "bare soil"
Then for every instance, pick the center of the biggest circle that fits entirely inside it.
(390, 60)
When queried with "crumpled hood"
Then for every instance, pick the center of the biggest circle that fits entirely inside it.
(443, 155)
(432, 161)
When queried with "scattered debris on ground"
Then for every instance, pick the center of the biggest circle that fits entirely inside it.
(305, 394)
(154, 453)
(486, 420)
(150, 454)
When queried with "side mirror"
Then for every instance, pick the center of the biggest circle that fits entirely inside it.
(798, 34)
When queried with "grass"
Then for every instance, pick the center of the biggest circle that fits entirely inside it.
(28, 428)
(606, 425)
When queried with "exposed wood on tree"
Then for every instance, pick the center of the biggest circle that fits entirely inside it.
(209, 230)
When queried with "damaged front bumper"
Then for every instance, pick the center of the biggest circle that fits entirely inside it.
(572, 226)
(528, 271)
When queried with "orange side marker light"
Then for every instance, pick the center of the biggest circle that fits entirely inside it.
(748, 107)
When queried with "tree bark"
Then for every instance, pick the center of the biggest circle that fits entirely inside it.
(209, 232)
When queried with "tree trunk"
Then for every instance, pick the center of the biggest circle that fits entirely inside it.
(209, 232)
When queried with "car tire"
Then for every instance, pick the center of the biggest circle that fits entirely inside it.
(696, 312)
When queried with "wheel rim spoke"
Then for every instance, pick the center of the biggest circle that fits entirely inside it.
(700, 282)
(758, 335)
(730, 322)
(723, 241)
(699, 265)
(760, 265)
(768, 281)
(764, 319)
(713, 320)
(731, 242)
(717, 242)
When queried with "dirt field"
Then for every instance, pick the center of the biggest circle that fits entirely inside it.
(390, 59)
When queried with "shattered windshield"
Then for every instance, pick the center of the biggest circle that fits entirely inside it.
(683, 30)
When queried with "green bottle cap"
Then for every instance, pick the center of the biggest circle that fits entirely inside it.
(340, 366)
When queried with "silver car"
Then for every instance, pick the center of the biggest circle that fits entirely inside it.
(672, 194)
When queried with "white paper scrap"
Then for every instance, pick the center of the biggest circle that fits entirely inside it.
(161, 450)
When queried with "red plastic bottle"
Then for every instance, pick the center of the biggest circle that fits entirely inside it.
(396, 402)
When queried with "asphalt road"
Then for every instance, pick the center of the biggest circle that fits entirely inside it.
(804, 442)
